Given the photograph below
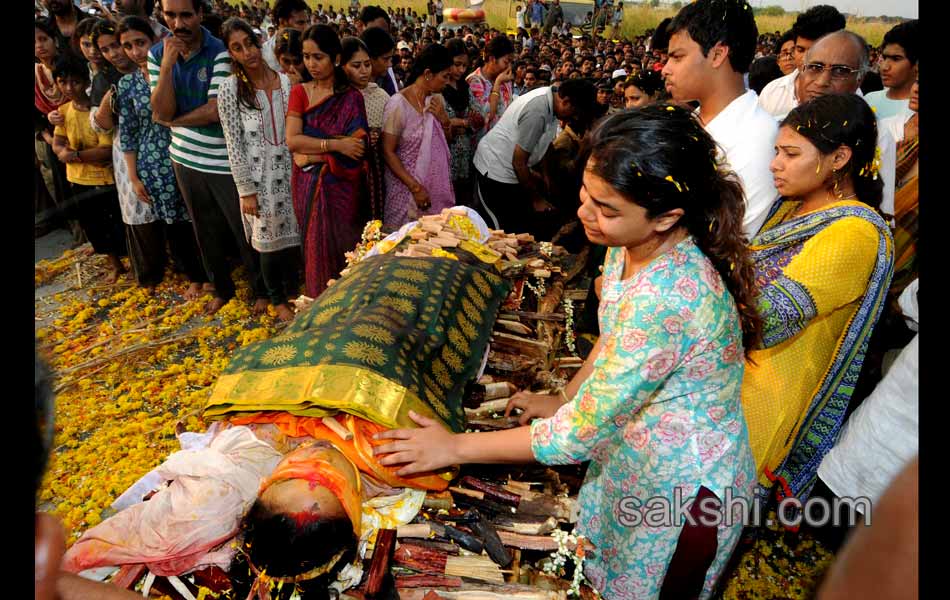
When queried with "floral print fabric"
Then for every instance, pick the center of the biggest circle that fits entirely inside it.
(659, 415)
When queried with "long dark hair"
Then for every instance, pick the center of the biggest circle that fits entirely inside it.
(135, 23)
(351, 45)
(326, 38)
(457, 97)
(274, 542)
(434, 58)
(247, 95)
(661, 158)
(836, 120)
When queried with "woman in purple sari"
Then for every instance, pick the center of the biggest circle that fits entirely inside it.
(419, 176)
(326, 131)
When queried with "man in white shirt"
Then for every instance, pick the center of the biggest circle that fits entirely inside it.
(508, 191)
(778, 96)
(836, 64)
(289, 14)
(711, 47)
(898, 70)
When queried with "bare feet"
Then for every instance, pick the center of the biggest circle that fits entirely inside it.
(208, 287)
(215, 305)
(112, 276)
(193, 292)
(116, 268)
(284, 313)
(260, 306)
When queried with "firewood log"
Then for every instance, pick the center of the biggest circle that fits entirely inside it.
(379, 566)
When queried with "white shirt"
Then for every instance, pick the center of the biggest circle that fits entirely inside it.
(883, 106)
(746, 136)
(495, 151)
(881, 436)
(895, 125)
(778, 96)
(519, 19)
(267, 52)
(886, 142)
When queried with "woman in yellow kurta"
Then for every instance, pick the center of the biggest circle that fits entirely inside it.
(824, 260)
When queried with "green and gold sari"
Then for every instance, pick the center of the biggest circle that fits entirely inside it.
(395, 334)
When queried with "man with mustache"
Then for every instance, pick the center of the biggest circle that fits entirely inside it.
(836, 64)
(64, 17)
(898, 70)
(185, 71)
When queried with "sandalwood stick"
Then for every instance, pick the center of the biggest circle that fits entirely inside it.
(492, 492)
(382, 555)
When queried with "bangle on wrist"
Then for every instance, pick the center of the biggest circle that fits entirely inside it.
(564, 398)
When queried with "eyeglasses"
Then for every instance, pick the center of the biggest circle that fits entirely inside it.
(787, 54)
(838, 72)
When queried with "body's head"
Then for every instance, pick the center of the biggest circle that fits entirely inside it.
(299, 527)
(835, 64)
(59, 8)
(106, 39)
(72, 77)
(289, 52)
(381, 48)
(499, 54)
(763, 71)
(291, 14)
(356, 61)
(373, 16)
(432, 69)
(137, 37)
(643, 89)
(785, 52)
(183, 18)
(814, 24)
(244, 48)
(575, 100)
(460, 59)
(652, 174)
(88, 47)
(711, 42)
(899, 55)
(828, 146)
(44, 42)
(321, 55)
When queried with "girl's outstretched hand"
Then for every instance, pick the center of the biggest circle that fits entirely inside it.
(427, 448)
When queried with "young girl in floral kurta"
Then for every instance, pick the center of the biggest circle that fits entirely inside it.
(656, 407)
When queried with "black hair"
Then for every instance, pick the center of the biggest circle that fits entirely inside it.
(351, 45)
(247, 95)
(326, 38)
(904, 35)
(648, 82)
(582, 95)
(788, 36)
(284, 8)
(498, 47)
(85, 27)
(371, 13)
(378, 41)
(457, 97)
(289, 41)
(729, 22)
(275, 543)
(762, 71)
(134, 23)
(835, 120)
(434, 58)
(660, 40)
(102, 27)
(197, 5)
(818, 21)
(70, 65)
(49, 29)
(661, 158)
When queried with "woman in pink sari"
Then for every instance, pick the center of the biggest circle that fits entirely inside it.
(326, 131)
(418, 177)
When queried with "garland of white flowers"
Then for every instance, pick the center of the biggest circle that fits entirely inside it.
(539, 289)
(569, 339)
(560, 557)
(372, 233)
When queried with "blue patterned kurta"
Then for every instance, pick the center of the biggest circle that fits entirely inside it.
(660, 411)
(150, 141)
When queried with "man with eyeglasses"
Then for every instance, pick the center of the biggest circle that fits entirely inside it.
(711, 44)
(836, 64)
(778, 97)
(898, 71)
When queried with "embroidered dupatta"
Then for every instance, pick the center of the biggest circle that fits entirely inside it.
(789, 302)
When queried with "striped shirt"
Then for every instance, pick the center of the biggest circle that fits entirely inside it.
(196, 80)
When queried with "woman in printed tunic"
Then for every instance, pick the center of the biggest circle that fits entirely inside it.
(656, 407)
(253, 107)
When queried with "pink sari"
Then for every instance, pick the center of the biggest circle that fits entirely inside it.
(425, 154)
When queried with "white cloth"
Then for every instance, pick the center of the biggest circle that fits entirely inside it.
(493, 157)
(888, 146)
(267, 51)
(778, 96)
(883, 106)
(881, 436)
(895, 125)
(745, 133)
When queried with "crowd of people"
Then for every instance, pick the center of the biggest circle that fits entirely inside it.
(756, 194)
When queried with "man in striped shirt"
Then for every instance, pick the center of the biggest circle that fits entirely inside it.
(185, 71)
